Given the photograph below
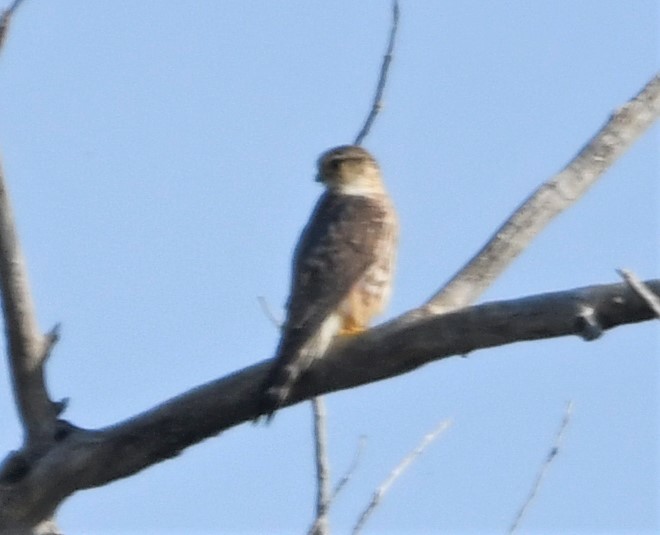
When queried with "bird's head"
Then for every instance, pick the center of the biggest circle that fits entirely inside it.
(349, 170)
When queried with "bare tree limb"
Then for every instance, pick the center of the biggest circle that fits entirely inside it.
(81, 459)
(623, 128)
(641, 289)
(28, 349)
(27, 346)
(377, 103)
(321, 525)
(552, 454)
(397, 473)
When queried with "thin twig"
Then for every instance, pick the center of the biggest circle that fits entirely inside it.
(397, 472)
(351, 469)
(544, 468)
(642, 290)
(323, 497)
(12, 9)
(4, 26)
(5, 18)
(265, 307)
(377, 103)
(50, 340)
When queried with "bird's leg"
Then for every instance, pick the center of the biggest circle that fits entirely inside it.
(351, 326)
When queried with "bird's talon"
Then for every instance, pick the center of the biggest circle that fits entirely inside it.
(351, 330)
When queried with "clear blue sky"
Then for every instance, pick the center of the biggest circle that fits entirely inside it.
(160, 156)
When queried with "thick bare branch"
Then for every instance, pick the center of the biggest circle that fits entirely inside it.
(553, 197)
(27, 346)
(83, 459)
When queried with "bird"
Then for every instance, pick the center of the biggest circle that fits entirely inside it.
(342, 268)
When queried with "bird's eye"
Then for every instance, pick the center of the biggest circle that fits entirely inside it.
(333, 165)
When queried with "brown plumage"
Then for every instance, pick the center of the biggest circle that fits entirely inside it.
(342, 267)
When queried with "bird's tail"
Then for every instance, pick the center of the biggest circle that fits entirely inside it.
(295, 354)
(284, 373)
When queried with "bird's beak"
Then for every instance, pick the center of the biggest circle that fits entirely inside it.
(318, 178)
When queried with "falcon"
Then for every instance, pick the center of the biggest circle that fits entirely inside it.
(342, 271)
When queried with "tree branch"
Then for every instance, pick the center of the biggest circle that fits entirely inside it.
(377, 103)
(641, 290)
(350, 470)
(614, 138)
(398, 471)
(27, 347)
(5, 19)
(320, 525)
(552, 454)
(84, 459)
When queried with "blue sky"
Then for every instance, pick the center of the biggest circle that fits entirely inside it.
(160, 157)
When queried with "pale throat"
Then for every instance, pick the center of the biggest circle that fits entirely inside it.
(366, 187)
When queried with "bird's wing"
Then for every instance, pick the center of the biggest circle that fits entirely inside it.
(335, 249)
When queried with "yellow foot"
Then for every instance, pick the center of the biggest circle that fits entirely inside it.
(351, 330)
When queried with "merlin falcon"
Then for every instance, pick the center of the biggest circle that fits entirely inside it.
(343, 266)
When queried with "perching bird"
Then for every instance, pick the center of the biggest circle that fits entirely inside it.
(342, 267)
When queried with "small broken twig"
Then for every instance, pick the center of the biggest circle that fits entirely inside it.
(265, 307)
(642, 290)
